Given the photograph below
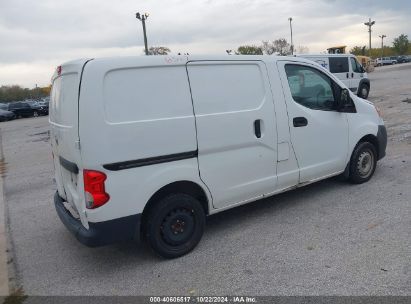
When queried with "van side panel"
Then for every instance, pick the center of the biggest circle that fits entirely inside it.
(236, 129)
(131, 113)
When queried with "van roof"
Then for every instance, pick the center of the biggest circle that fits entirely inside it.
(325, 55)
(165, 60)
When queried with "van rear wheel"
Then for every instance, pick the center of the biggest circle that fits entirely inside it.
(175, 225)
(363, 163)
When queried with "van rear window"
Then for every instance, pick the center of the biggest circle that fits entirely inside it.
(64, 100)
(339, 65)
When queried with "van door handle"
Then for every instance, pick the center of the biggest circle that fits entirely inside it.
(348, 75)
(300, 122)
(352, 75)
(257, 128)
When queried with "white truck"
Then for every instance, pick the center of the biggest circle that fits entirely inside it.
(147, 147)
(346, 68)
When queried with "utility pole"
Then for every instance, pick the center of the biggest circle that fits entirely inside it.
(382, 45)
(291, 30)
(143, 19)
(369, 24)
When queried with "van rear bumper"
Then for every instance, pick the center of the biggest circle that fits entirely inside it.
(101, 233)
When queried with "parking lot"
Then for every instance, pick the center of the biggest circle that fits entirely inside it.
(328, 238)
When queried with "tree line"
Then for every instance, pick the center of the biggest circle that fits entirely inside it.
(279, 47)
(17, 93)
(400, 46)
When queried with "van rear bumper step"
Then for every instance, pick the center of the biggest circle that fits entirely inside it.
(101, 233)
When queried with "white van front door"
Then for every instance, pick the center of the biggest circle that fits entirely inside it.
(236, 130)
(319, 134)
(356, 75)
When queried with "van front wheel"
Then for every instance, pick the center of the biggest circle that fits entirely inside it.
(363, 163)
(175, 225)
(363, 91)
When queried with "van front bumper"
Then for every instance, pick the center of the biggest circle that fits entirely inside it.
(101, 233)
(382, 141)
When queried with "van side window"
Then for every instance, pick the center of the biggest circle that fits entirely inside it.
(310, 88)
(339, 65)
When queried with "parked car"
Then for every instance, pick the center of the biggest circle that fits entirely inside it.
(6, 115)
(403, 59)
(4, 106)
(41, 108)
(45, 106)
(347, 68)
(200, 135)
(27, 109)
(386, 61)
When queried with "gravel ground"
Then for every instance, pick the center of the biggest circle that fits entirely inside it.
(329, 238)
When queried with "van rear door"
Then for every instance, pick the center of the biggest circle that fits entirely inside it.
(64, 136)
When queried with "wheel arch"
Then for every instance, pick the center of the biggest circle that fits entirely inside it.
(182, 186)
(371, 139)
(366, 138)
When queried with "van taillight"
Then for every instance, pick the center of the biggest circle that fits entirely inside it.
(94, 189)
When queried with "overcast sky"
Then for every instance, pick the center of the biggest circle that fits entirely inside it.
(38, 35)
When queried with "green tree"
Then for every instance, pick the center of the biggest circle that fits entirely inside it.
(358, 50)
(158, 50)
(282, 47)
(401, 44)
(249, 50)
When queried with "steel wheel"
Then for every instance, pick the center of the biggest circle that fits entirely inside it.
(177, 226)
(174, 225)
(363, 162)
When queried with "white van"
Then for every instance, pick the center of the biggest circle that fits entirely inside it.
(149, 146)
(347, 68)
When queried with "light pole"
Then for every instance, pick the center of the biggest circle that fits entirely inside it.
(143, 19)
(382, 45)
(369, 24)
(291, 30)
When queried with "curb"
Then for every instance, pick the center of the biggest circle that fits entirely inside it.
(4, 278)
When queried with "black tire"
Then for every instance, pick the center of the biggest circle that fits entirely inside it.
(363, 163)
(174, 225)
(363, 91)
